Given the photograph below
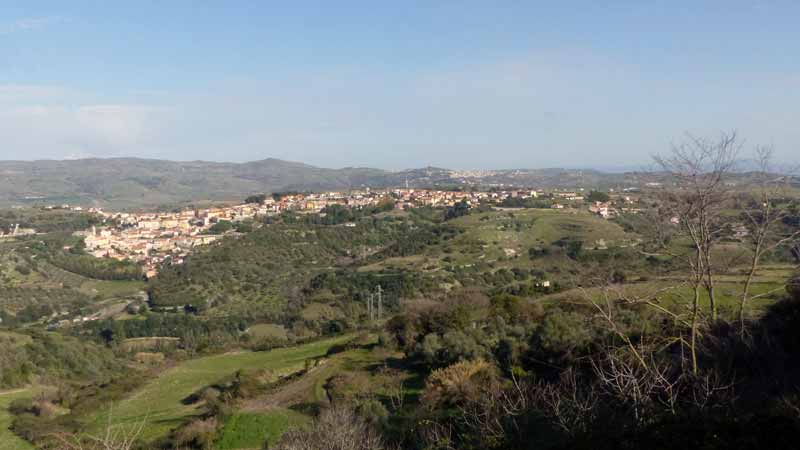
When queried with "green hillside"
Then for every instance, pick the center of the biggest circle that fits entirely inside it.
(133, 183)
(160, 404)
(8, 441)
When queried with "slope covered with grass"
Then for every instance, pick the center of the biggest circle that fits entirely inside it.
(159, 403)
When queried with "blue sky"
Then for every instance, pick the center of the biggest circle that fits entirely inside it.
(396, 84)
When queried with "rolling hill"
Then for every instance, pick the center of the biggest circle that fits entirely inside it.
(122, 183)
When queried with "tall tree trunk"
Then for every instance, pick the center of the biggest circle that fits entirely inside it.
(747, 283)
(695, 320)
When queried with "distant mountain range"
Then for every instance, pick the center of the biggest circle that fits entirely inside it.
(124, 183)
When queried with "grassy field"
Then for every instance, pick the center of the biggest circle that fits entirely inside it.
(677, 296)
(249, 430)
(528, 227)
(14, 340)
(8, 441)
(267, 330)
(110, 289)
(364, 372)
(159, 402)
(504, 237)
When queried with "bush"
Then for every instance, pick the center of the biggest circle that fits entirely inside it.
(598, 196)
(198, 434)
(20, 406)
(336, 428)
(564, 333)
(372, 411)
(221, 227)
(618, 277)
(458, 383)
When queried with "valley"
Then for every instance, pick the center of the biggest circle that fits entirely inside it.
(256, 335)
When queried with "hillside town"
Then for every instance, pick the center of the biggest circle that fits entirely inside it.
(152, 239)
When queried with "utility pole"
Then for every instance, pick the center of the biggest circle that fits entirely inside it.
(380, 302)
(370, 311)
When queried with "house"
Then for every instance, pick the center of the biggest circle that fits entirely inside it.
(602, 209)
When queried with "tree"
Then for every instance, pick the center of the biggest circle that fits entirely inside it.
(763, 219)
(598, 196)
(574, 249)
(337, 428)
(459, 209)
(221, 227)
(256, 199)
(695, 196)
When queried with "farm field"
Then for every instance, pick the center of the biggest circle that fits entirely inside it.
(248, 430)
(267, 330)
(768, 287)
(159, 402)
(546, 226)
(358, 373)
(503, 235)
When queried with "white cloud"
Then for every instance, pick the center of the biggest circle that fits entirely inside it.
(29, 24)
(51, 122)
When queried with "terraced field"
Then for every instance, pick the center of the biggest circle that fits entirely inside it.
(541, 226)
(500, 236)
(768, 287)
(159, 402)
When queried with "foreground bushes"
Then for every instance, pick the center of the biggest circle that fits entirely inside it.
(337, 428)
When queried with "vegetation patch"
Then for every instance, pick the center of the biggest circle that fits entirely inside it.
(160, 403)
(251, 430)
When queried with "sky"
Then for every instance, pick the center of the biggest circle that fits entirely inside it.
(459, 84)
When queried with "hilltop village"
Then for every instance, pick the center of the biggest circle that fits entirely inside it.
(154, 238)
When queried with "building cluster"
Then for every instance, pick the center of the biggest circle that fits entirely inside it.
(620, 204)
(153, 238)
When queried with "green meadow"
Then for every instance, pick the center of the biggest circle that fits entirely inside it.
(8, 441)
(159, 402)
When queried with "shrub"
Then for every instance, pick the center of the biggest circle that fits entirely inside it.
(197, 434)
(458, 383)
(372, 411)
(563, 333)
(336, 428)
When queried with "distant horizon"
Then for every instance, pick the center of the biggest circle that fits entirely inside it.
(607, 169)
(784, 167)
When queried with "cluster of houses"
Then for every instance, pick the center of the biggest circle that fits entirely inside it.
(624, 204)
(153, 238)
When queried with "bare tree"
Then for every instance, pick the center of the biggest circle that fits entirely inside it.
(571, 404)
(763, 219)
(698, 169)
(113, 437)
(498, 416)
(696, 195)
(337, 428)
(394, 385)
